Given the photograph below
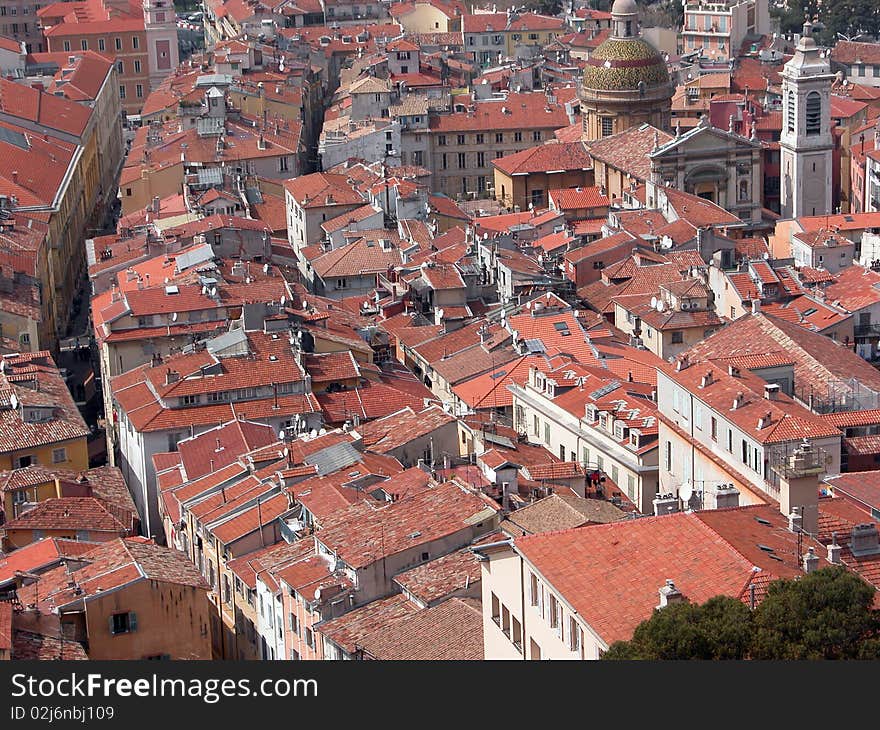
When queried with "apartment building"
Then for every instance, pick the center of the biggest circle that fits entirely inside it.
(39, 421)
(860, 61)
(149, 602)
(490, 37)
(253, 375)
(589, 416)
(717, 29)
(21, 24)
(464, 143)
(536, 607)
(726, 421)
(117, 33)
(669, 321)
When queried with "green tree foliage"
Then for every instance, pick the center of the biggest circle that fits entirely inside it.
(717, 629)
(824, 615)
(827, 614)
(543, 7)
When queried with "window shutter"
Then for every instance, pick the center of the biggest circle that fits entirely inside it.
(111, 625)
(559, 619)
(132, 621)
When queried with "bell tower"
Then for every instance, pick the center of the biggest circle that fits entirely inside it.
(806, 142)
(160, 24)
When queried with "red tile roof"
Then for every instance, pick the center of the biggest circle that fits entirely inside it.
(550, 157)
(516, 112)
(573, 198)
(628, 150)
(321, 189)
(68, 513)
(349, 629)
(108, 566)
(680, 547)
(419, 519)
(450, 631)
(218, 447)
(818, 360)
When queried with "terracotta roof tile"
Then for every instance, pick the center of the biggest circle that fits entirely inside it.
(453, 630)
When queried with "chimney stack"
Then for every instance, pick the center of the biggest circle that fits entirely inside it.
(669, 594)
(811, 561)
(771, 391)
(834, 550)
(799, 485)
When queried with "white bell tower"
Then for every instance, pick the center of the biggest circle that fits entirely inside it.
(806, 142)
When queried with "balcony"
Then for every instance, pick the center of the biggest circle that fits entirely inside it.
(867, 330)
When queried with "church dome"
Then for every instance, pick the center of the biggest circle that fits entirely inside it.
(620, 64)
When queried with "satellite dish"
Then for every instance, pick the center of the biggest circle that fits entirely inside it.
(440, 313)
(281, 436)
(317, 594)
(313, 433)
(286, 452)
(660, 306)
(214, 290)
(174, 316)
(653, 302)
(685, 492)
(283, 300)
(322, 431)
(204, 289)
(485, 235)
(13, 401)
(265, 268)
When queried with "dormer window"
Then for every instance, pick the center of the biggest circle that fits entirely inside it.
(620, 431)
(603, 420)
(634, 439)
(592, 412)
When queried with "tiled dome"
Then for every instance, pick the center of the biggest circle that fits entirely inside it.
(619, 64)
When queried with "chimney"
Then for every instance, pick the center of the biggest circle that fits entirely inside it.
(811, 561)
(171, 376)
(706, 379)
(771, 391)
(733, 370)
(15, 176)
(799, 485)
(738, 401)
(505, 496)
(756, 306)
(834, 550)
(865, 540)
(682, 362)
(795, 520)
(669, 594)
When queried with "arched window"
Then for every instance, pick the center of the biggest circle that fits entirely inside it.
(814, 113)
(790, 112)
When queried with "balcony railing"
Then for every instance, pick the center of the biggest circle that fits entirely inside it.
(867, 330)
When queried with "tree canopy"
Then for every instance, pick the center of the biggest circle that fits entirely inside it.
(827, 614)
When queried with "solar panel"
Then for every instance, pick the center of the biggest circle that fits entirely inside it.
(605, 389)
(334, 458)
(499, 374)
(14, 138)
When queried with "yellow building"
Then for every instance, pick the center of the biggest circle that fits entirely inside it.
(434, 16)
(527, 177)
(490, 37)
(39, 421)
